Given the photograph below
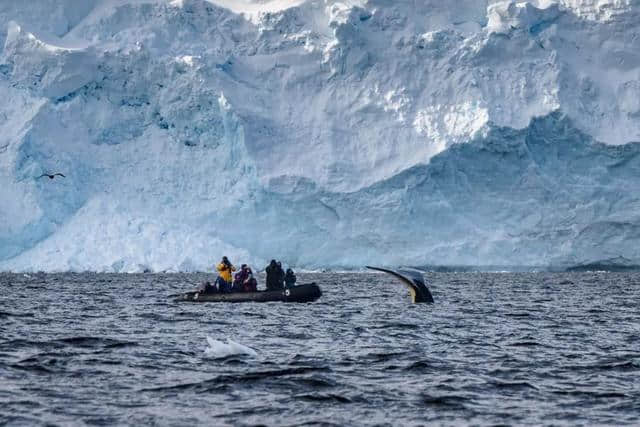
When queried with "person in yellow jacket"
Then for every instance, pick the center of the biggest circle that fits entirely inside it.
(225, 268)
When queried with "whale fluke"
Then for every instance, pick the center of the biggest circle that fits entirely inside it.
(413, 280)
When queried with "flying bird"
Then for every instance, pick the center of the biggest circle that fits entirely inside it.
(50, 176)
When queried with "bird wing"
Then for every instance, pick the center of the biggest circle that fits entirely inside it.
(44, 174)
(60, 175)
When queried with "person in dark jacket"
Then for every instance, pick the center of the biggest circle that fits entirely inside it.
(289, 278)
(273, 276)
(280, 275)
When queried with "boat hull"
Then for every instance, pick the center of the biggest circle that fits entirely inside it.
(302, 293)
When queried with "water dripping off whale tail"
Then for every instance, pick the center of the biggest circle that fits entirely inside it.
(413, 280)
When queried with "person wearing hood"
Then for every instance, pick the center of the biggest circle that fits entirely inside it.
(273, 276)
(289, 278)
(225, 268)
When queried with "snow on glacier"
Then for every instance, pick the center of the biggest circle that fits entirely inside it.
(322, 132)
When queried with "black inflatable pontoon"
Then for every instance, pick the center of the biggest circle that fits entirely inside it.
(302, 293)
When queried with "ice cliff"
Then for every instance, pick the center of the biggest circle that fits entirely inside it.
(324, 133)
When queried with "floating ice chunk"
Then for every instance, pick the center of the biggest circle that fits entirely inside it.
(219, 349)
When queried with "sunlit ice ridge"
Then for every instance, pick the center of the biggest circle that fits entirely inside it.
(327, 134)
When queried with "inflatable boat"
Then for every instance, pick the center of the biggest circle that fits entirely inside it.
(303, 293)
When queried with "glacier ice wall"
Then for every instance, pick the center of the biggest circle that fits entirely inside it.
(325, 133)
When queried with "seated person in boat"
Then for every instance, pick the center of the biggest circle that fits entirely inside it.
(239, 278)
(275, 276)
(250, 284)
(244, 280)
(225, 268)
(289, 278)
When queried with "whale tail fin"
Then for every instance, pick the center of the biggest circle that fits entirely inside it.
(413, 280)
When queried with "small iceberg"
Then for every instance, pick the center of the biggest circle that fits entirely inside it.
(219, 349)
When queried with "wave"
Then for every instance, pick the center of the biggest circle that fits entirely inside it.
(79, 341)
(223, 382)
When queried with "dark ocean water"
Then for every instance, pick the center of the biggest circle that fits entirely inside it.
(87, 349)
